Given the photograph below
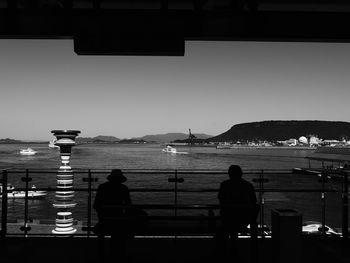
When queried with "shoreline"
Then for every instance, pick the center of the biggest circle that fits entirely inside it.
(267, 148)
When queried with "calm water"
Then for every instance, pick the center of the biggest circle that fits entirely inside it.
(151, 157)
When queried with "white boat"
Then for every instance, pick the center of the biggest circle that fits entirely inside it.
(12, 193)
(28, 151)
(315, 228)
(169, 149)
(52, 145)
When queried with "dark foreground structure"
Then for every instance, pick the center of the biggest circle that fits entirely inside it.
(163, 250)
(278, 235)
(161, 27)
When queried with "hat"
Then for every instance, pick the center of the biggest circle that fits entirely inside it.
(116, 176)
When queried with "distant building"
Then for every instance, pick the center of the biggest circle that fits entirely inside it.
(303, 140)
(290, 142)
(313, 140)
(332, 142)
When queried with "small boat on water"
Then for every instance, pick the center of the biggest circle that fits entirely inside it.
(28, 151)
(315, 228)
(12, 193)
(52, 145)
(169, 149)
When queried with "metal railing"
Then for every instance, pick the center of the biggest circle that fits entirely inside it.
(259, 178)
(97, 4)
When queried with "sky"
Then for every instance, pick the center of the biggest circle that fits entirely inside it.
(44, 86)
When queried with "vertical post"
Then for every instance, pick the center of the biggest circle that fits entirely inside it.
(175, 192)
(89, 204)
(25, 228)
(262, 201)
(345, 205)
(254, 241)
(323, 200)
(4, 205)
(286, 236)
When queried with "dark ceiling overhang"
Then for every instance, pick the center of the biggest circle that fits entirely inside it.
(163, 32)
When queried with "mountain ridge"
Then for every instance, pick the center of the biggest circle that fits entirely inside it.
(170, 137)
(284, 130)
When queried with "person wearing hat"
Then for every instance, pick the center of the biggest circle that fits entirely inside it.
(240, 195)
(109, 196)
(112, 193)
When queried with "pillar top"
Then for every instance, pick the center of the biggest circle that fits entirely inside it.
(65, 132)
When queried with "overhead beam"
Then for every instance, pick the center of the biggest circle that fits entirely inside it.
(213, 25)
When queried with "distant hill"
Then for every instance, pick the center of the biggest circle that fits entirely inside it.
(97, 139)
(13, 141)
(9, 141)
(284, 130)
(170, 137)
(132, 141)
(159, 138)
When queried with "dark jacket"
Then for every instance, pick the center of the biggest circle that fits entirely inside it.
(111, 194)
(241, 195)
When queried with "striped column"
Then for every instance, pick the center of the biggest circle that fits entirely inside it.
(65, 175)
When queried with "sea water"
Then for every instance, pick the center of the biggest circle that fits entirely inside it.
(150, 157)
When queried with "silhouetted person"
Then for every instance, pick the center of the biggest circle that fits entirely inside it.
(239, 197)
(112, 219)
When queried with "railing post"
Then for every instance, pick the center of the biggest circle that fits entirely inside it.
(25, 228)
(4, 205)
(26, 204)
(254, 241)
(345, 206)
(262, 201)
(175, 192)
(89, 204)
(175, 180)
(323, 200)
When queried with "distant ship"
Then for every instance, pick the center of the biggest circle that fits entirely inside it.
(28, 151)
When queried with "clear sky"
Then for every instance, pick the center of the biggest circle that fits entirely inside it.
(44, 85)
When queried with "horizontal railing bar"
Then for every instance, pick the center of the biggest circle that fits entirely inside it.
(194, 218)
(179, 206)
(14, 170)
(151, 190)
(267, 172)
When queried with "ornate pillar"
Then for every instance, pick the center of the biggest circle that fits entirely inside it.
(64, 194)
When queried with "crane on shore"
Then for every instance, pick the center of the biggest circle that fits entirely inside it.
(191, 137)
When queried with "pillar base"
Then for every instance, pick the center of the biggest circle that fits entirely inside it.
(59, 231)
